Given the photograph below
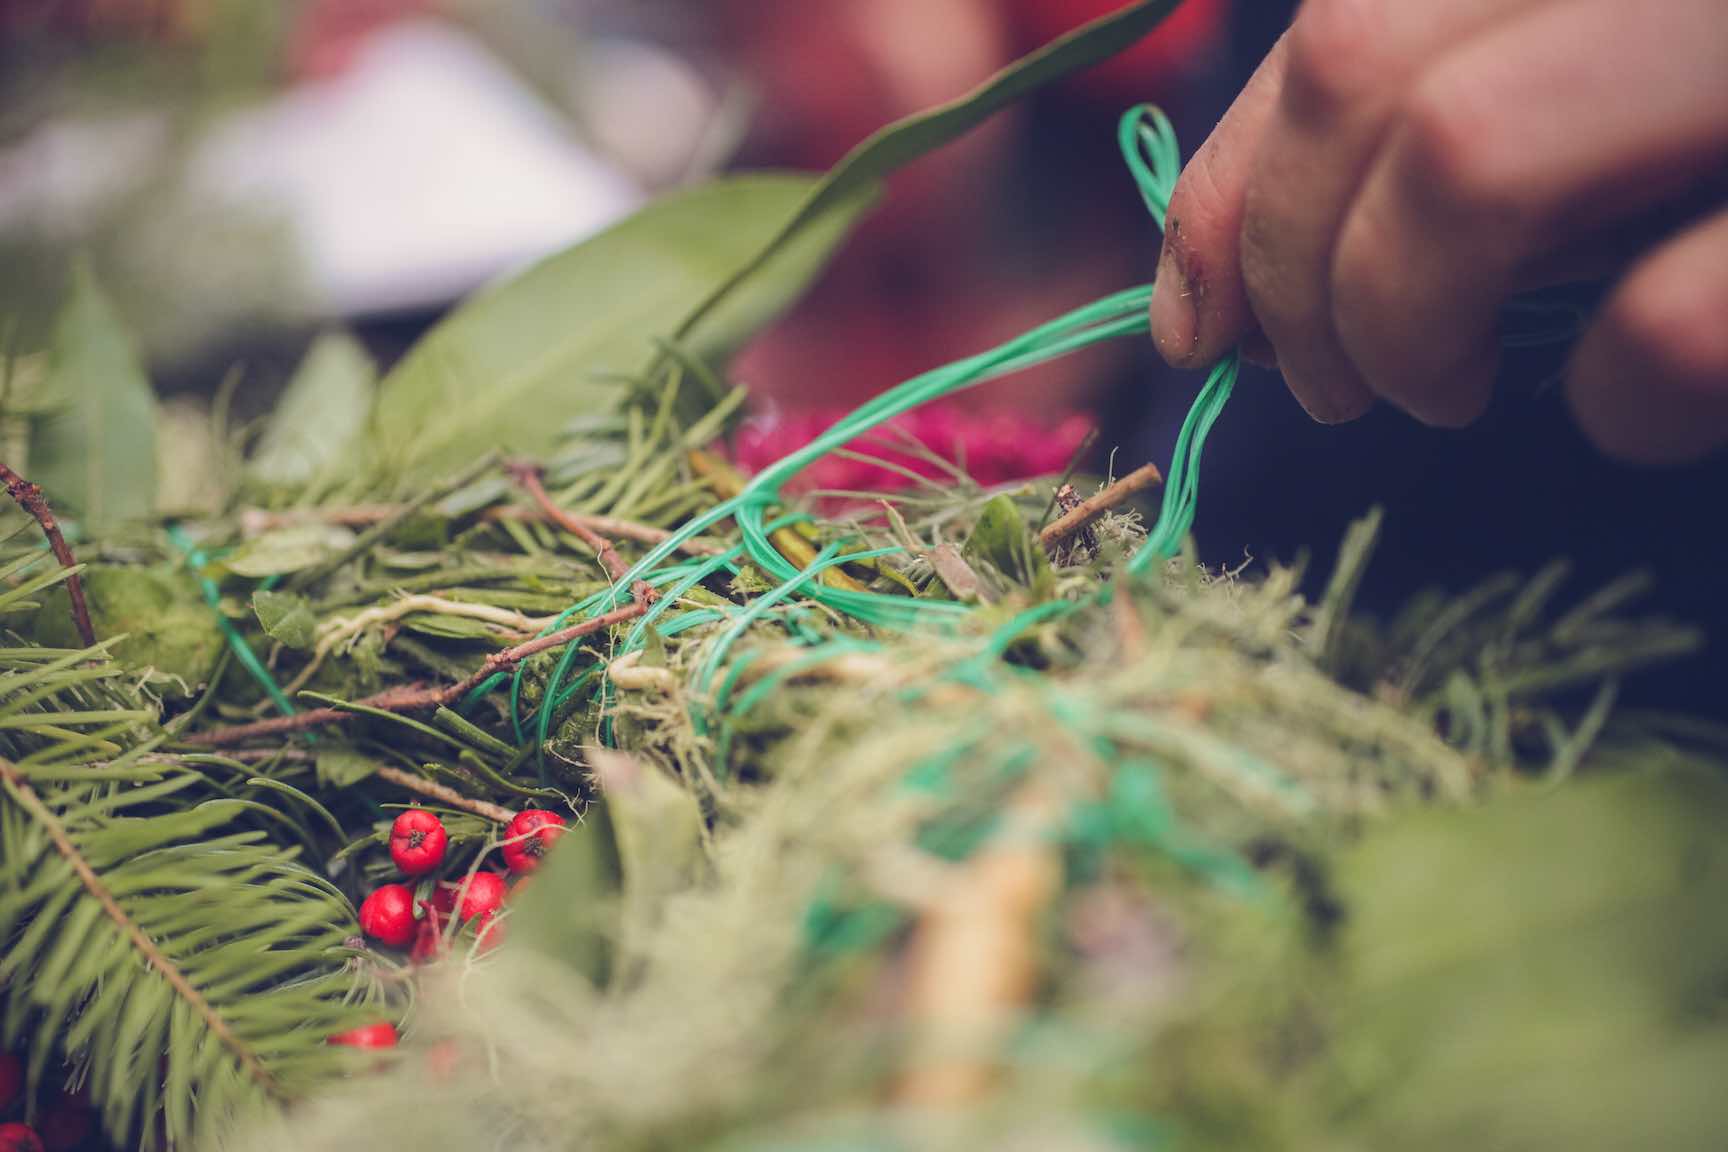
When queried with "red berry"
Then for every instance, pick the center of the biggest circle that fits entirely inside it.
(388, 916)
(417, 842)
(444, 899)
(19, 1138)
(367, 1036)
(528, 837)
(11, 1078)
(485, 896)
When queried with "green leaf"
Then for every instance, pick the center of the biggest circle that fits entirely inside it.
(1003, 539)
(286, 618)
(289, 549)
(321, 417)
(570, 912)
(1568, 942)
(512, 366)
(657, 826)
(892, 148)
(94, 454)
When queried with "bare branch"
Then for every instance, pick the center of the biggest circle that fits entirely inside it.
(30, 498)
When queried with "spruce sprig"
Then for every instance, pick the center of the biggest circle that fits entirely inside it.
(183, 966)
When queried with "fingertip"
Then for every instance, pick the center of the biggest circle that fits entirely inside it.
(1631, 414)
(1334, 401)
(1175, 327)
(1649, 379)
(1452, 399)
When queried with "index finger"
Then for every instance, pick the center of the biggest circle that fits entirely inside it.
(1199, 306)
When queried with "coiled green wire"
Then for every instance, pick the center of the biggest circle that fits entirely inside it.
(1150, 151)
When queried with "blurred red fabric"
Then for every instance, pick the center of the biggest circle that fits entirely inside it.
(1151, 67)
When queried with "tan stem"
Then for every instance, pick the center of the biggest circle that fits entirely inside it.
(444, 795)
(30, 498)
(1144, 477)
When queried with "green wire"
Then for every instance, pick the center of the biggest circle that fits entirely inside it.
(196, 560)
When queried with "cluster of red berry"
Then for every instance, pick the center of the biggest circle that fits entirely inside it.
(418, 842)
(64, 1123)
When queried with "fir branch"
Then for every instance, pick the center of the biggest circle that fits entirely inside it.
(29, 497)
(27, 799)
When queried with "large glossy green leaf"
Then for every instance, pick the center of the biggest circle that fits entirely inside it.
(94, 453)
(906, 140)
(322, 415)
(512, 366)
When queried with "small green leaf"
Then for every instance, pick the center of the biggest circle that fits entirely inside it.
(450, 627)
(657, 827)
(94, 453)
(289, 549)
(343, 767)
(515, 364)
(286, 618)
(1004, 540)
(322, 415)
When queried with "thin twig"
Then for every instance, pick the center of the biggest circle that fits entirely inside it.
(29, 497)
(177, 980)
(507, 659)
(528, 476)
(414, 698)
(433, 791)
(365, 540)
(1144, 477)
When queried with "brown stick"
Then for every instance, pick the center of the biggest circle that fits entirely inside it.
(413, 698)
(528, 476)
(434, 791)
(1144, 477)
(29, 497)
(510, 657)
(177, 980)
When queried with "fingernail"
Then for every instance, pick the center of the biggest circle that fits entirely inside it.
(1174, 323)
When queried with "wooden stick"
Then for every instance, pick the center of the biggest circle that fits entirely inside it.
(1144, 477)
(434, 791)
(528, 476)
(29, 497)
(413, 698)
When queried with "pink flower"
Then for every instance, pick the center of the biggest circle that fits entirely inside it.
(998, 447)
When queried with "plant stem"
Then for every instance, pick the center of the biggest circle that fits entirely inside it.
(1144, 477)
(444, 795)
(29, 497)
(415, 698)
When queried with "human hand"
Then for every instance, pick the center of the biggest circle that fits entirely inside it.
(1395, 170)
